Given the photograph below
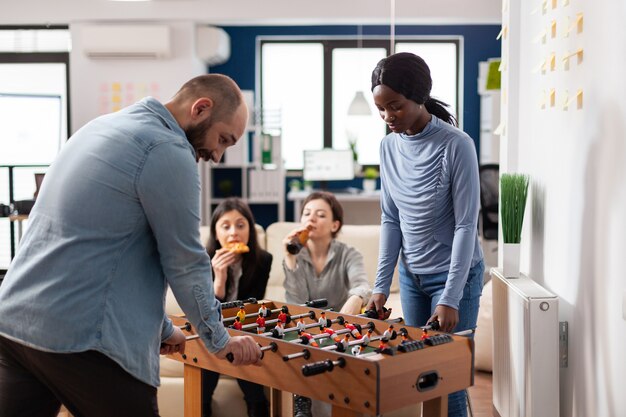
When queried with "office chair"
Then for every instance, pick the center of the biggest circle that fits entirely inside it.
(489, 197)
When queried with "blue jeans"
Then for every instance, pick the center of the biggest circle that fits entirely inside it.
(420, 293)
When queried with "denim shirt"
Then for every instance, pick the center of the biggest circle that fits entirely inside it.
(116, 221)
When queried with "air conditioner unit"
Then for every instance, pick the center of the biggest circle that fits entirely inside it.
(126, 41)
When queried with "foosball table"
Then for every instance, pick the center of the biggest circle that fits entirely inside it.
(358, 364)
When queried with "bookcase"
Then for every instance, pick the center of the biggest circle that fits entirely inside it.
(246, 172)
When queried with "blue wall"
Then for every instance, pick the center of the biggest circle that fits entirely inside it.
(479, 44)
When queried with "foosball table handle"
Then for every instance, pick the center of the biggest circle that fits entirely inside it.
(319, 303)
(317, 368)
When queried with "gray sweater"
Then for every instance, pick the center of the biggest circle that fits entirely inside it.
(343, 276)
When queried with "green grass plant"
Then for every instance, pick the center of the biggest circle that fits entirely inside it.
(513, 193)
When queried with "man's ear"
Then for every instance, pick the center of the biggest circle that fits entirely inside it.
(201, 109)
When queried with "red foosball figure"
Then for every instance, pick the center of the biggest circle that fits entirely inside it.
(353, 329)
(241, 314)
(330, 332)
(237, 324)
(424, 334)
(282, 317)
(307, 339)
(263, 310)
(260, 321)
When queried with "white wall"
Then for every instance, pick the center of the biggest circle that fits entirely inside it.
(254, 12)
(574, 239)
(93, 81)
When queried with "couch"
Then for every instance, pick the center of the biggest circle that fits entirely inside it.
(228, 399)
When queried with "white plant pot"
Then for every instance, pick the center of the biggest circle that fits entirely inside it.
(510, 259)
(369, 185)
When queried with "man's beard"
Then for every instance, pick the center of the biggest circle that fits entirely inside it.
(196, 134)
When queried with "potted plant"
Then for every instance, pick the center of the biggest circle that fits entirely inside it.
(513, 193)
(294, 186)
(355, 154)
(370, 175)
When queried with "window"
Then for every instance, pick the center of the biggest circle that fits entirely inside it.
(33, 112)
(311, 83)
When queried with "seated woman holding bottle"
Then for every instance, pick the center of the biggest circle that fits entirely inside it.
(241, 270)
(325, 267)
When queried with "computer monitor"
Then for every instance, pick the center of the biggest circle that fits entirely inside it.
(328, 165)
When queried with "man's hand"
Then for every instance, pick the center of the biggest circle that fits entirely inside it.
(244, 349)
(448, 317)
(174, 343)
(376, 302)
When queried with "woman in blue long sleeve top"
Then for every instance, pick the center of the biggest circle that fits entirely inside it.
(430, 199)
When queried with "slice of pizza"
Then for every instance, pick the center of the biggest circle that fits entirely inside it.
(238, 247)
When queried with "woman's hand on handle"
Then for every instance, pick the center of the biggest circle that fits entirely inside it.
(448, 317)
(244, 349)
(377, 302)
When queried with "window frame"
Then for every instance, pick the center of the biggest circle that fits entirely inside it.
(330, 43)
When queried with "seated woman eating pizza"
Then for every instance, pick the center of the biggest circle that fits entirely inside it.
(241, 270)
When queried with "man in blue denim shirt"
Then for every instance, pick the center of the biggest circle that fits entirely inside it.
(117, 219)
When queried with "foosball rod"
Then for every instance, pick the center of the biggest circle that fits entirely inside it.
(319, 303)
(310, 314)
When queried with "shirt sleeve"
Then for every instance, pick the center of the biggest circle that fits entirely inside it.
(296, 287)
(168, 187)
(465, 189)
(390, 239)
(357, 277)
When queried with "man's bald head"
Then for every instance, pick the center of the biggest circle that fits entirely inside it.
(220, 88)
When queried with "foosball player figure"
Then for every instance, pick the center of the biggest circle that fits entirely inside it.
(367, 336)
(237, 324)
(330, 333)
(241, 314)
(260, 321)
(388, 334)
(282, 316)
(307, 338)
(263, 310)
(278, 330)
(424, 334)
(356, 332)
(301, 325)
(383, 347)
(404, 333)
(343, 345)
(357, 350)
(323, 321)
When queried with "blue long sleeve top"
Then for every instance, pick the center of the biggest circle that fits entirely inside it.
(116, 220)
(430, 198)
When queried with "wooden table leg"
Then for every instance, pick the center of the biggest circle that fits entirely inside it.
(281, 403)
(437, 407)
(193, 391)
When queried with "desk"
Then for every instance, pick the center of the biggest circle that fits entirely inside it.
(360, 208)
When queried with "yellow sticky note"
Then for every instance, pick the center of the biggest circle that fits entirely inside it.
(553, 29)
(552, 60)
(579, 99)
(552, 97)
(579, 22)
